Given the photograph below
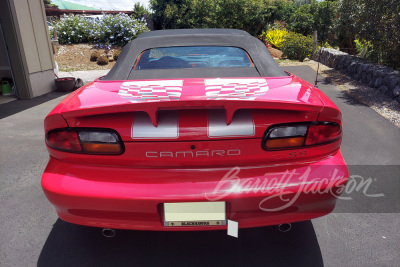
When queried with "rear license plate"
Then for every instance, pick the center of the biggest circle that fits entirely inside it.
(195, 214)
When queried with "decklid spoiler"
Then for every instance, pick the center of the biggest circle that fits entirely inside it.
(230, 94)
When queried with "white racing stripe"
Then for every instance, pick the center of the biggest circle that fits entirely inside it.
(143, 128)
(242, 124)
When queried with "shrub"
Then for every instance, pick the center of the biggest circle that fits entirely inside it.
(117, 30)
(113, 29)
(94, 56)
(297, 46)
(102, 60)
(366, 50)
(116, 54)
(275, 37)
(73, 29)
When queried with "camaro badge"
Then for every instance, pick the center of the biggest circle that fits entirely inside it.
(193, 154)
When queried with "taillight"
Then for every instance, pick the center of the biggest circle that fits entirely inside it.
(298, 135)
(323, 133)
(88, 141)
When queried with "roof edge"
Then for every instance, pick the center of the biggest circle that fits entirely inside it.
(180, 32)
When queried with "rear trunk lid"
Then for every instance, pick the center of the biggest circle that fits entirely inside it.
(193, 122)
(230, 95)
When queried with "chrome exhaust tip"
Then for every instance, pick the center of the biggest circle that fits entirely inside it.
(285, 227)
(107, 232)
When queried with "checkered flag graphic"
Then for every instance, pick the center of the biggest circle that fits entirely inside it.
(235, 89)
(151, 91)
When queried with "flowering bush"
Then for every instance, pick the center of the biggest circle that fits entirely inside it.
(117, 30)
(275, 36)
(111, 30)
(73, 29)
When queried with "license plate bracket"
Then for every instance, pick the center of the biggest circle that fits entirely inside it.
(195, 214)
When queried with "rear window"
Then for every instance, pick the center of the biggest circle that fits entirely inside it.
(193, 57)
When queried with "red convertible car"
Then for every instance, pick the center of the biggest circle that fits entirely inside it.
(192, 129)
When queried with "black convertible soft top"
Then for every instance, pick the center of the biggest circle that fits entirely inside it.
(265, 65)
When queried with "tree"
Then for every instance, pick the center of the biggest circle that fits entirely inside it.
(281, 10)
(317, 16)
(249, 15)
(139, 11)
(302, 20)
(302, 2)
(374, 22)
(170, 14)
(378, 22)
(345, 28)
(48, 3)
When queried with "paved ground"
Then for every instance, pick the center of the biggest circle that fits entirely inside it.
(86, 76)
(358, 233)
(365, 231)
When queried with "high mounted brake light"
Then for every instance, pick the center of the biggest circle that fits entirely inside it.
(86, 141)
(286, 136)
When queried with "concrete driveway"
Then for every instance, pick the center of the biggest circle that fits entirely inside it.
(360, 232)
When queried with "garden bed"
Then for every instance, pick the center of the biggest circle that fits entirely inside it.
(76, 57)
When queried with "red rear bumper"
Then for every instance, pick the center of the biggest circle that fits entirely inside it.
(126, 198)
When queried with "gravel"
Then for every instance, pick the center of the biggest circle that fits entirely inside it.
(76, 57)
